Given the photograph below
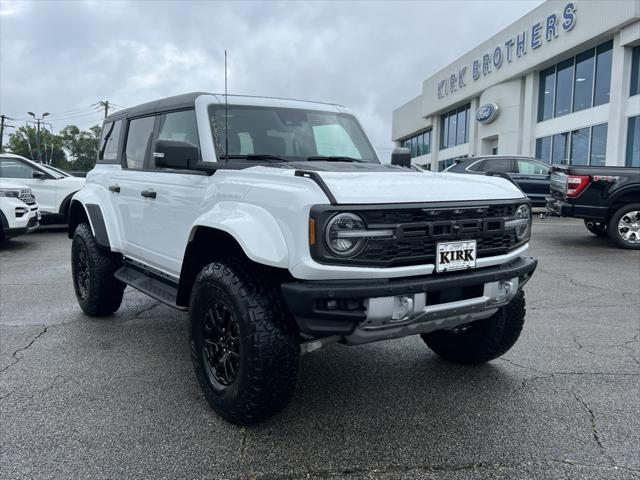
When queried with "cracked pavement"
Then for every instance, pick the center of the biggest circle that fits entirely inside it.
(116, 397)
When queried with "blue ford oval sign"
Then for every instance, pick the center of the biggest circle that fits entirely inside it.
(487, 113)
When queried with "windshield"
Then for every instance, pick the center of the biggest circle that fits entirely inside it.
(289, 134)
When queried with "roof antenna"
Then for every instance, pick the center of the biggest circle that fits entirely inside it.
(226, 112)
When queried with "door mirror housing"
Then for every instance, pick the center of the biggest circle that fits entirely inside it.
(175, 154)
(401, 157)
(39, 175)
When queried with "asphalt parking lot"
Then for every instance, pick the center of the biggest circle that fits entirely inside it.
(116, 397)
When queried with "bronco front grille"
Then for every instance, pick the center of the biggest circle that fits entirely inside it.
(417, 231)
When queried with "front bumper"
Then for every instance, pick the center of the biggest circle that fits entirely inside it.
(558, 207)
(481, 292)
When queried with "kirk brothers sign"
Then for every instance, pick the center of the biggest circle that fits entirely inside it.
(512, 49)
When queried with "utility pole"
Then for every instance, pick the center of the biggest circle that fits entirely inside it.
(3, 125)
(104, 104)
(38, 121)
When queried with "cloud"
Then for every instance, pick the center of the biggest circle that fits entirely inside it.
(369, 56)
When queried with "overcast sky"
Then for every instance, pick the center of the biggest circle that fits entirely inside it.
(370, 56)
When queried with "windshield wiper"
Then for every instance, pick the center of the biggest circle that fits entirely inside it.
(255, 156)
(335, 158)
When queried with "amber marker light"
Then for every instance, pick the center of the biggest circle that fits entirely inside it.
(312, 231)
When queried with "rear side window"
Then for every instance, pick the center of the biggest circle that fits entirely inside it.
(109, 141)
(138, 144)
(527, 167)
(498, 165)
(179, 127)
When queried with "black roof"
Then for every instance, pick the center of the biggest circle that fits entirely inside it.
(169, 103)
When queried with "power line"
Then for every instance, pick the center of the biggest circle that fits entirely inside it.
(73, 110)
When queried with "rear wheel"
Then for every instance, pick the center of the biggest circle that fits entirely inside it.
(482, 340)
(597, 228)
(624, 227)
(97, 290)
(243, 345)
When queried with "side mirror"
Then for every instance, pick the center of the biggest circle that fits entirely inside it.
(39, 175)
(175, 154)
(401, 157)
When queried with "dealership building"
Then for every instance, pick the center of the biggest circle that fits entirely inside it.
(560, 84)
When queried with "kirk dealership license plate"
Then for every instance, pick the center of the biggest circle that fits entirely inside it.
(455, 255)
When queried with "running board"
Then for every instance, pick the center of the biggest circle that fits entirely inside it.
(163, 291)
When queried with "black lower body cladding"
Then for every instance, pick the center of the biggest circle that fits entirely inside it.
(307, 299)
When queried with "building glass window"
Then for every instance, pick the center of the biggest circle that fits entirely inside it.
(633, 142)
(598, 149)
(604, 57)
(461, 135)
(561, 92)
(586, 146)
(579, 154)
(426, 146)
(418, 144)
(583, 82)
(564, 85)
(560, 148)
(635, 65)
(543, 149)
(454, 128)
(546, 94)
(453, 124)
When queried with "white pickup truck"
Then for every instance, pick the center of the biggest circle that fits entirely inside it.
(274, 224)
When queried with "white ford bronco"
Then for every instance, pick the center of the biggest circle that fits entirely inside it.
(275, 225)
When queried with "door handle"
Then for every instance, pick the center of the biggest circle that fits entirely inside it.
(114, 188)
(148, 194)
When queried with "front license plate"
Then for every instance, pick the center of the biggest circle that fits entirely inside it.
(455, 256)
(38, 216)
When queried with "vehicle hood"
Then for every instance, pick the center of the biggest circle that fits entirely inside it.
(73, 182)
(362, 184)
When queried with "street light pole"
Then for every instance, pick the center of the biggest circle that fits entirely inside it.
(38, 121)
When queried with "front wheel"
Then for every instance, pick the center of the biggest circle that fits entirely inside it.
(624, 227)
(97, 290)
(482, 340)
(243, 345)
(599, 229)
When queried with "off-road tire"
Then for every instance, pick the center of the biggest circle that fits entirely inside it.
(612, 227)
(269, 352)
(482, 340)
(103, 293)
(599, 229)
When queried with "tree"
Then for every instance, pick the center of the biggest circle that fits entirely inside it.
(23, 142)
(82, 146)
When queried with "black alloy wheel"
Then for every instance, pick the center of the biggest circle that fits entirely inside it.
(82, 272)
(221, 344)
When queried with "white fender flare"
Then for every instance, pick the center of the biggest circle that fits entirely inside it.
(254, 228)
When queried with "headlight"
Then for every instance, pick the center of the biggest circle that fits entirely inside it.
(345, 234)
(523, 217)
(9, 192)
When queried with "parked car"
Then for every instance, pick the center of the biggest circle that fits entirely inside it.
(282, 233)
(19, 211)
(52, 189)
(607, 198)
(530, 174)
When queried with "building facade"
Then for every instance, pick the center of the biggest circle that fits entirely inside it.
(562, 84)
